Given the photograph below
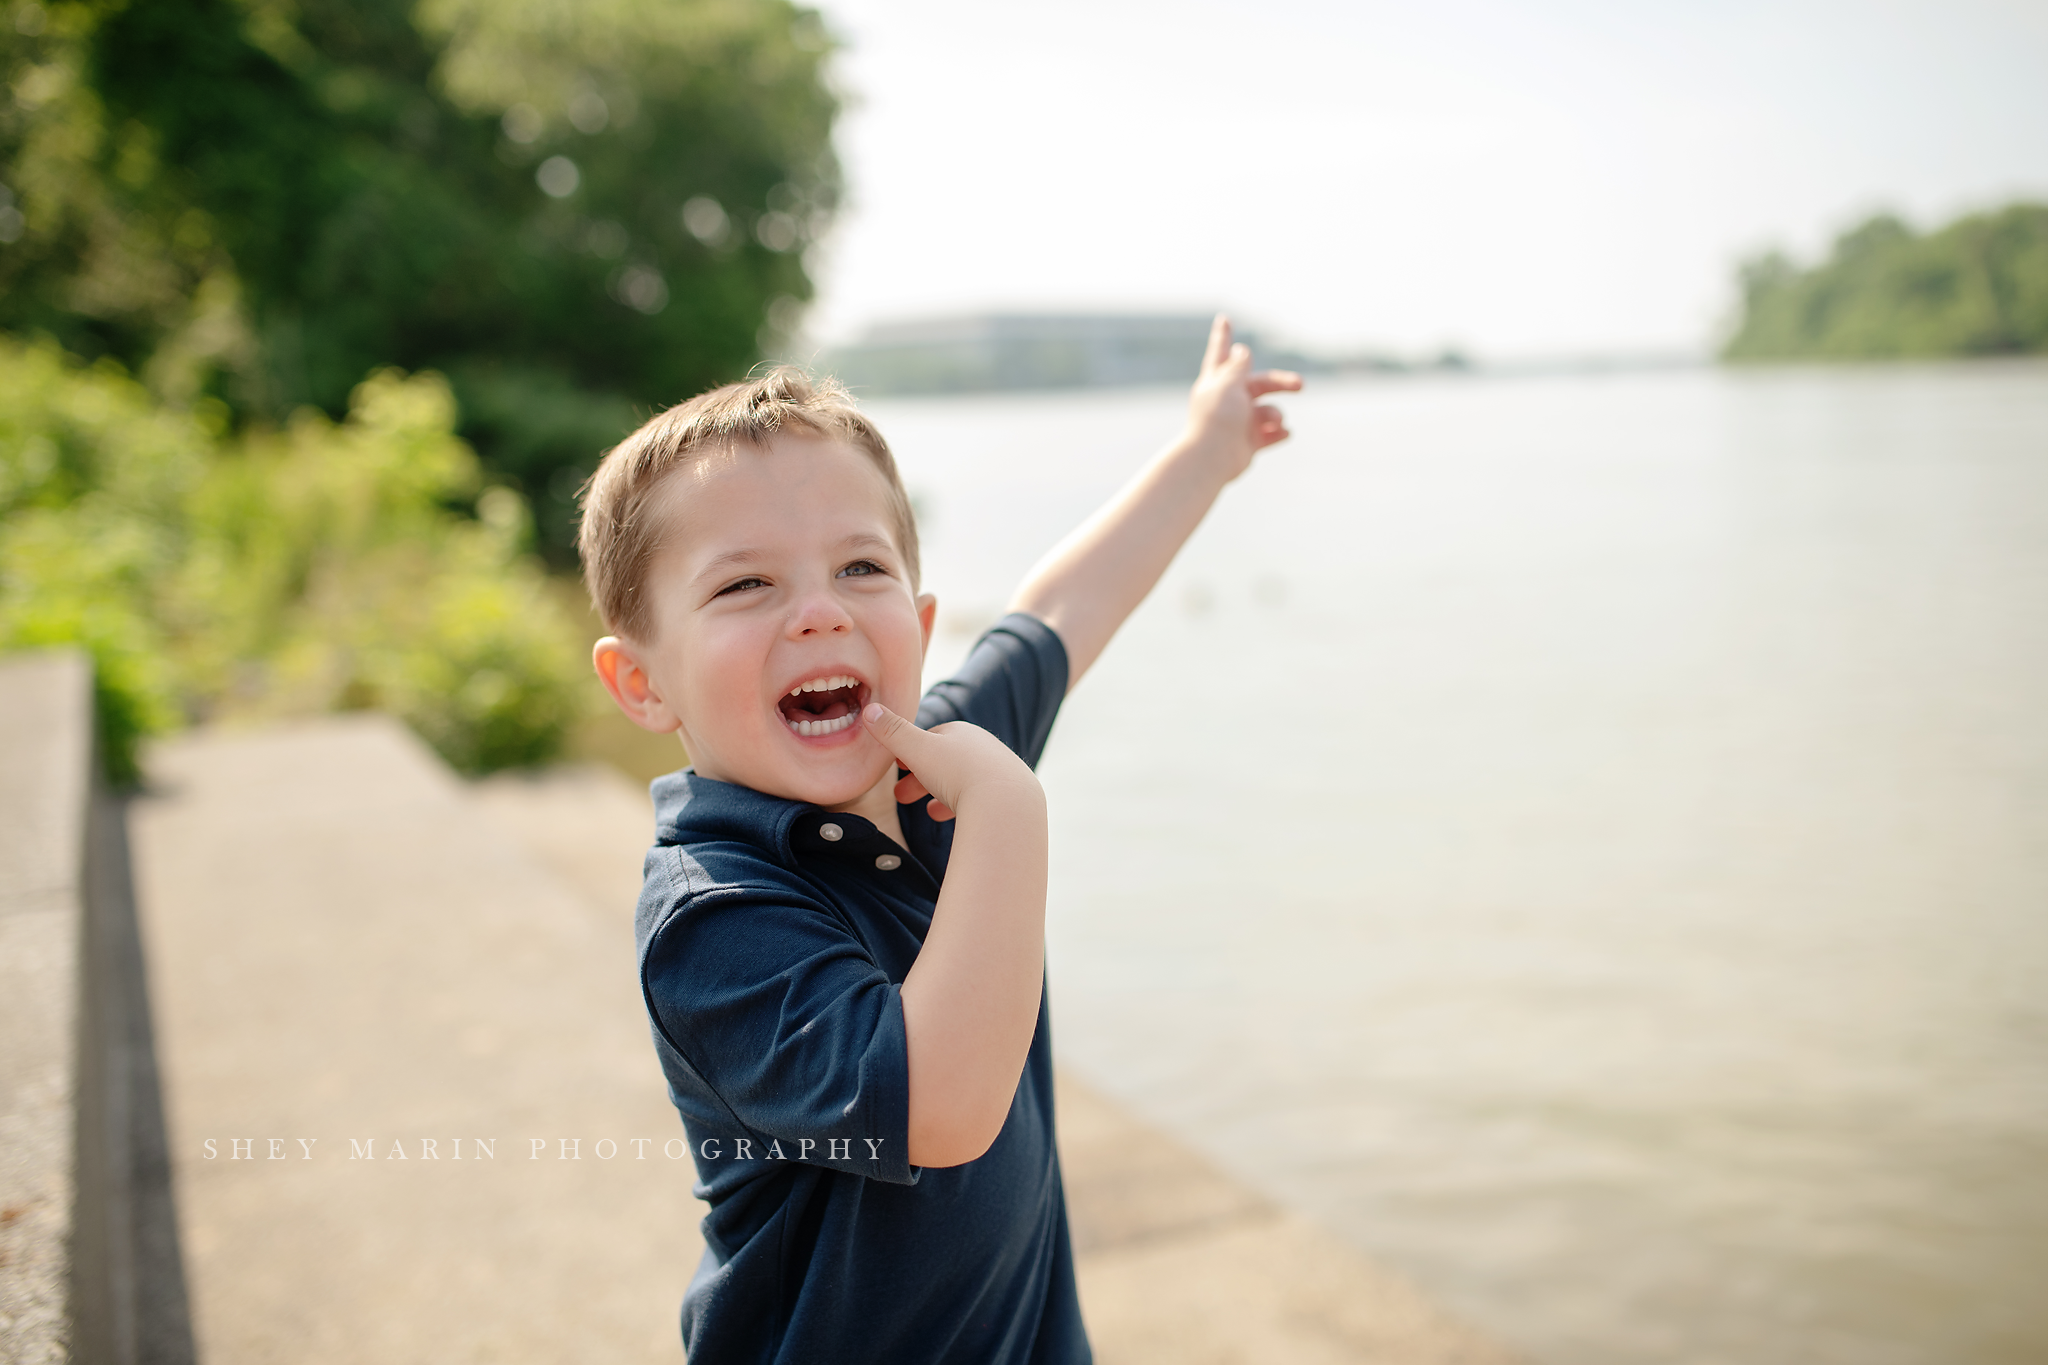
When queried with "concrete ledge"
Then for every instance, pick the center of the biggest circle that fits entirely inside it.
(89, 1263)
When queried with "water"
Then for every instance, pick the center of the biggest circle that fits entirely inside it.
(1583, 839)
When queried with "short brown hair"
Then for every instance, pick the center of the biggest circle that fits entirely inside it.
(621, 530)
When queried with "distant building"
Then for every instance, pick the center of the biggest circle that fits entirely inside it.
(1022, 351)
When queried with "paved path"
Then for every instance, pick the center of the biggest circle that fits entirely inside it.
(350, 946)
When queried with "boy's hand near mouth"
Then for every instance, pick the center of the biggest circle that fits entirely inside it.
(970, 1003)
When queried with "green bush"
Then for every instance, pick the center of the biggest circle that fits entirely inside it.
(93, 474)
(326, 566)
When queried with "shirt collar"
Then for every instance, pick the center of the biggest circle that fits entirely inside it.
(690, 808)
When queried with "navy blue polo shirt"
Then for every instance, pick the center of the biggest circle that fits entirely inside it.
(774, 938)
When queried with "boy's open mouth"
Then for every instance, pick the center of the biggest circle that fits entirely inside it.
(823, 706)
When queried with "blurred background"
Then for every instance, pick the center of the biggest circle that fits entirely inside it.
(1571, 821)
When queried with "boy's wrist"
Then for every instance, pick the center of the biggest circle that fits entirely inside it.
(1011, 798)
(1207, 453)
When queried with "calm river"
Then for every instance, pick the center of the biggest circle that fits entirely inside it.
(1583, 839)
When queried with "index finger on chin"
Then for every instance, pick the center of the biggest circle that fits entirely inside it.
(892, 732)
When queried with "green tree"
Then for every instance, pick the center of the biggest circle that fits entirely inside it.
(577, 212)
(1976, 287)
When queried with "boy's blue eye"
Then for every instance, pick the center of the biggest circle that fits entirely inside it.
(860, 568)
(742, 584)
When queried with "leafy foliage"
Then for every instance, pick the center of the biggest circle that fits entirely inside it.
(88, 466)
(574, 211)
(311, 569)
(1976, 287)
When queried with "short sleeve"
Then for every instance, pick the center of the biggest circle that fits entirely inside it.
(1011, 685)
(796, 1032)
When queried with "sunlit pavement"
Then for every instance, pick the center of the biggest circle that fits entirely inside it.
(354, 952)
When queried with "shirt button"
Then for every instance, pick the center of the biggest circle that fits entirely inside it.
(831, 832)
(888, 862)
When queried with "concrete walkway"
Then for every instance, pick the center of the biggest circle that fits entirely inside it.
(363, 966)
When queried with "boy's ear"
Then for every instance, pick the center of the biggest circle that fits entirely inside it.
(623, 675)
(927, 613)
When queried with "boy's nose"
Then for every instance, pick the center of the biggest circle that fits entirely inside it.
(819, 614)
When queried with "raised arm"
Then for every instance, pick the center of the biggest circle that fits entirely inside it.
(1089, 582)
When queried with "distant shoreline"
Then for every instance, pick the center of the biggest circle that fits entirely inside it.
(1593, 366)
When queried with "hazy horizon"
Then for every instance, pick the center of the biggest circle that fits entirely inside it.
(1579, 179)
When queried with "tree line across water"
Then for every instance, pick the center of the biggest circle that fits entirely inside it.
(1976, 287)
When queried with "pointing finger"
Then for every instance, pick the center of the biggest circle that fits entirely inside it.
(1219, 343)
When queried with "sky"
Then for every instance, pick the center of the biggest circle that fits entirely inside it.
(1533, 180)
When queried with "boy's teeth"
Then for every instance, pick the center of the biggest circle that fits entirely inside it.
(824, 727)
(823, 685)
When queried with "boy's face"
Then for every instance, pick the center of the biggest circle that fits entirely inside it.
(780, 571)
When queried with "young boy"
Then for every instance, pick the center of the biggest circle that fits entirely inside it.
(844, 967)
